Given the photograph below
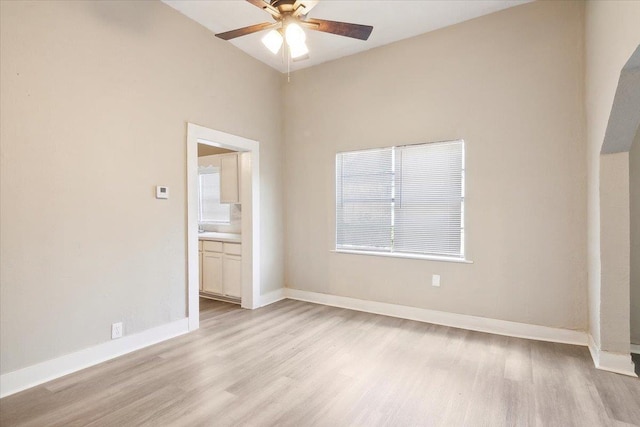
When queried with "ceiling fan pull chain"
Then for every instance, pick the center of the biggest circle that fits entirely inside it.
(288, 65)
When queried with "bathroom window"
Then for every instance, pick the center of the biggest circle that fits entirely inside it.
(211, 211)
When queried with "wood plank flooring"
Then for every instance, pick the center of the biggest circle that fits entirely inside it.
(300, 364)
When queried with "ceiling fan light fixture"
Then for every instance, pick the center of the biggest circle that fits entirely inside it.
(295, 35)
(298, 50)
(273, 41)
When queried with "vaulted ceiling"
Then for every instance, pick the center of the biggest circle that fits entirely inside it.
(392, 20)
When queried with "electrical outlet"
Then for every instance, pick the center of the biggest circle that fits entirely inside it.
(116, 330)
(435, 280)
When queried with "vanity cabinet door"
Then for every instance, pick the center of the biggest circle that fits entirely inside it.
(232, 269)
(212, 272)
(200, 267)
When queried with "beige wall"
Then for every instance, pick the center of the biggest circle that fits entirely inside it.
(612, 34)
(511, 85)
(634, 187)
(95, 100)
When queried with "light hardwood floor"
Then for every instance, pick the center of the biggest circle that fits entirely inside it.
(299, 364)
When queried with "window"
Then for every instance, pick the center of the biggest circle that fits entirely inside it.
(405, 200)
(209, 208)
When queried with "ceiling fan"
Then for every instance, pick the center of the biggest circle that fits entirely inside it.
(290, 17)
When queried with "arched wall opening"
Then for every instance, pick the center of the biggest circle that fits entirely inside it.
(617, 171)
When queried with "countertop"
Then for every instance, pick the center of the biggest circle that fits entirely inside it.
(220, 237)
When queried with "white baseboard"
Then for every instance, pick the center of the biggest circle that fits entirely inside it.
(271, 297)
(13, 382)
(463, 321)
(635, 348)
(613, 362)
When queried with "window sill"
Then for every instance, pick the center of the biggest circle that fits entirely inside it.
(406, 256)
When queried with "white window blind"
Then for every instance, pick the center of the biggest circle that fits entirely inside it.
(209, 201)
(407, 199)
(364, 199)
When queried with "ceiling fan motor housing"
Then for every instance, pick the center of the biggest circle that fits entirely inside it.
(285, 7)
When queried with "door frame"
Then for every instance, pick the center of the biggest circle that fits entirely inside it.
(250, 199)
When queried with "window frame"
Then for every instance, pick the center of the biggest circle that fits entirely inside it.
(399, 254)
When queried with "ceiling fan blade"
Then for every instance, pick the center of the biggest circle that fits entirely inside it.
(228, 35)
(264, 5)
(346, 29)
(302, 7)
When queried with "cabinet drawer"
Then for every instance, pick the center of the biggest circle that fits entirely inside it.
(233, 248)
(209, 246)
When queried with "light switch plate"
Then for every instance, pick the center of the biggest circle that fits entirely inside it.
(162, 192)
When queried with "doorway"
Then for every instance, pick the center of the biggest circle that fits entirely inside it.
(618, 328)
(248, 168)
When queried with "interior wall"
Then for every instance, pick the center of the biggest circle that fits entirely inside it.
(95, 101)
(634, 191)
(612, 34)
(615, 244)
(511, 85)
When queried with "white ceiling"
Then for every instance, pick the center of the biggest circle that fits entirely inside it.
(392, 20)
